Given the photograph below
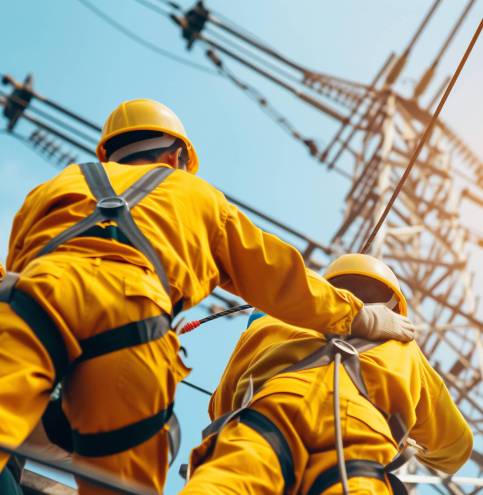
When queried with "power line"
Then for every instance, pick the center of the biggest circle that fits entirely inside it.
(138, 39)
(52, 118)
(196, 387)
(152, 7)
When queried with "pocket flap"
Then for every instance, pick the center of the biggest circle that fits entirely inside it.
(145, 286)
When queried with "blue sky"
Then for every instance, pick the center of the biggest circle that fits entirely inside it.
(84, 64)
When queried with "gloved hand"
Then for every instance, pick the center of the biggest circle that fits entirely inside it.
(378, 322)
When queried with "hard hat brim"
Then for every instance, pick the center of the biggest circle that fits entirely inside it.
(403, 307)
(193, 162)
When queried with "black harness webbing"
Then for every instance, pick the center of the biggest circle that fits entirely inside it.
(277, 441)
(121, 439)
(111, 206)
(355, 469)
(124, 336)
(44, 328)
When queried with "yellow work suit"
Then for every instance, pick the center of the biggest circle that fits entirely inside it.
(399, 380)
(89, 285)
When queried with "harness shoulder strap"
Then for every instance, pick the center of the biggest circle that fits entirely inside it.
(97, 180)
(145, 185)
(111, 206)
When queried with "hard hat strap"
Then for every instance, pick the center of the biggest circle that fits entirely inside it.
(165, 141)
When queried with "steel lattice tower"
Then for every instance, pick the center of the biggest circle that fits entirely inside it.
(423, 239)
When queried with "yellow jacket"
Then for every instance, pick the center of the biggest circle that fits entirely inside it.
(202, 240)
(398, 377)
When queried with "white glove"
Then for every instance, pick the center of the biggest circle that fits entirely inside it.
(378, 322)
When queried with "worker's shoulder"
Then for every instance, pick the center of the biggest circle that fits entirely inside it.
(393, 351)
(58, 182)
(262, 322)
(196, 186)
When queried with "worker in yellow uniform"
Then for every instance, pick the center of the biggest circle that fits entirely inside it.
(100, 259)
(273, 429)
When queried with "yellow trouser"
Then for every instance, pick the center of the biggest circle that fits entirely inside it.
(300, 405)
(83, 297)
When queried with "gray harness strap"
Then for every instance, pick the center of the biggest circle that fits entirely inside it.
(325, 355)
(7, 286)
(322, 357)
(111, 206)
(174, 437)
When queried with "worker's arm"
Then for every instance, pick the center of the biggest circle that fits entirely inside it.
(271, 275)
(22, 222)
(440, 428)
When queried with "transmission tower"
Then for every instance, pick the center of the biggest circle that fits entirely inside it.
(423, 239)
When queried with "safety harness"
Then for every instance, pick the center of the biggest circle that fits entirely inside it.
(349, 351)
(110, 207)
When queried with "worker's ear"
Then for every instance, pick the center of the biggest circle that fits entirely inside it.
(174, 158)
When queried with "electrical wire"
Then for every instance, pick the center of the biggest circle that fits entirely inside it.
(138, 39)
(248, 53)
(424, 138)
(197, 387)
(243, 30)
(174, 5)
(47, 116)
(153, 8)
(268, 109)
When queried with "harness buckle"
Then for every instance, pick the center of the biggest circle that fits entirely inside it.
(112, 205)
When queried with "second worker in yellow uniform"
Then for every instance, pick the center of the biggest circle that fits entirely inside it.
(101, 257)
(282, 440)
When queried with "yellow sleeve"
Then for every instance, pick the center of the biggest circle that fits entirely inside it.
(440, 427)
(21, 225)
(271, 275)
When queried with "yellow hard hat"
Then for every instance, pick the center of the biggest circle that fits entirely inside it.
(363, 264)
(145, 115)
(2, 272)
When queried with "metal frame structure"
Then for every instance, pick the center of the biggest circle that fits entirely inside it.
(423, 239)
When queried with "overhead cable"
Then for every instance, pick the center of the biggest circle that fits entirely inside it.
(423, 139)
(271, 111)
(197, 387)
(7, 79)
(174, 5)
(138, 39)
(52, 118)
(227, 41)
